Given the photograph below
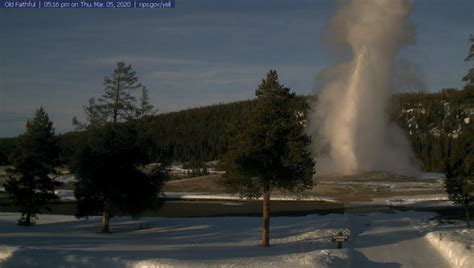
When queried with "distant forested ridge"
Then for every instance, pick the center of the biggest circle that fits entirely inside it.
(432, 121)
(199, 135)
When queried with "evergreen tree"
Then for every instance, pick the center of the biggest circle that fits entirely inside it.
(272, 151)
(117, 104)
(460, 172)
(459, 166)
(107, 165)
(29, 183)
(145, 107)
(469, 77)
(7, 147)
(109, 177)
(94, 115)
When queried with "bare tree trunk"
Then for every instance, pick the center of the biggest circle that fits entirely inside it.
(106, 218)
(105, 221)
(28, 219)
(266, 217)
(466, 209)
(117, 98)
(115, 116)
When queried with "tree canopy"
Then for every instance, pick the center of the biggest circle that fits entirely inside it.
(460, 171)
(30, 184)
(271, 151)
(110, 179)
(117, 103)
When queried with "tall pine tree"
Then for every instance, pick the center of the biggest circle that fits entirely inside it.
(117, 103)
(29, 183)
(272, 152)
(460, 172)
(459, 166)
(145, 107)
(109, 177)
(107, 166)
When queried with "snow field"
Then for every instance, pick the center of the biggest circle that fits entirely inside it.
(63, 241)
(376, 239)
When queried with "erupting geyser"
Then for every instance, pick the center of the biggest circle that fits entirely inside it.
(352, 130)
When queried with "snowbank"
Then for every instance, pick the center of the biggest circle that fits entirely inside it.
(66, 179)
(65, 194)
(69, 195)
(321, 259)
(455, 245)
(6, 252)
(413, 202)
(438, 200)
(217, 196)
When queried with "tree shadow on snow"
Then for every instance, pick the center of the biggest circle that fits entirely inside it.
(360, 260)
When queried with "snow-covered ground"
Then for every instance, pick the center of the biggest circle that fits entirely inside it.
(65, 194)
(417, 201)
(433, 200)
(66, 178)
(234, 197)
(179, 170)
(69, 195)
(439, 200)
(409, 201)
(455, 243)
(185, 242)
(392, 186)
(395, 239)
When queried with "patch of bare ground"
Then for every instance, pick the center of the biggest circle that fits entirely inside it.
(375, 176)
(361, 193)
(207, 184)
(366, 186)
(357, 188)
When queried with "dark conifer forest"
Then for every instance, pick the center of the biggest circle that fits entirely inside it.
(432, 121)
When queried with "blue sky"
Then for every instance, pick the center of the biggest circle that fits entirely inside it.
(199, 53)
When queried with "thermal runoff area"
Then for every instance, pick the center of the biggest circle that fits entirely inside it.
(352, 130)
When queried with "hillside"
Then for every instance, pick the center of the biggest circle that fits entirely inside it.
(432, 121)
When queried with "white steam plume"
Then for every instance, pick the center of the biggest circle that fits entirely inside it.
(351, 126)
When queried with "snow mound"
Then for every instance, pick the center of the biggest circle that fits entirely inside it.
(456, 245)
(6, 252)
(421, 201)
(323, 259)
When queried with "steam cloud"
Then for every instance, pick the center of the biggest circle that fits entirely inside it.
(350, 123)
